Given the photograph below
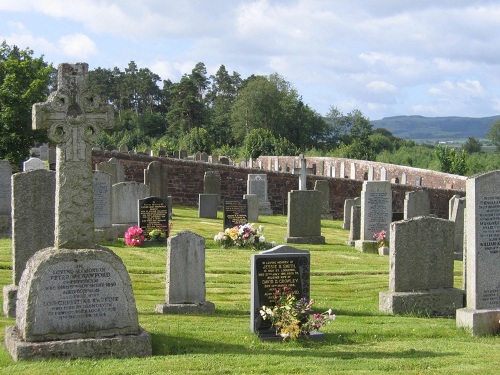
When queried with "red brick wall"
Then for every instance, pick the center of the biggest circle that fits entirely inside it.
(185, 182)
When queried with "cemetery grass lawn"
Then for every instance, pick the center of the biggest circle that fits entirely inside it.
(361, 340)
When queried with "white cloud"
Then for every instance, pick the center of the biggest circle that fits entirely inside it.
(77, 46)
(381, 86)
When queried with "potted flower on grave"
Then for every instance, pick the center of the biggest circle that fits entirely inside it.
(382, 242)
(161, 233)
(292, 317)
(244, 236)
(134, 236)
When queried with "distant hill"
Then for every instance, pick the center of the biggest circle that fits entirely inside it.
(449, 128)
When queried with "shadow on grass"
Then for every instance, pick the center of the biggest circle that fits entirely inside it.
(164, 345)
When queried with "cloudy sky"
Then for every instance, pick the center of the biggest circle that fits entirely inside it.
(383, 57)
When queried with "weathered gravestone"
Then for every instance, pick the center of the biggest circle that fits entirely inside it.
(125, 196)
(416, 203)
(304, 217)
(482, 312)
(33, 210)
(376, 213)
(253, 207)
(114, 168)
(257, 184)
(32, 164)
(457, 215)
(348, 203)
(75, 299)
(323, 186)
(355, 230)
(156, 177)
(102, 207)
(421, 269)
(207, 206)
(235, 212)
(277, 268)
(44, 152)
(185, 286)
(5, 197)
(211, 184)
(153, 214)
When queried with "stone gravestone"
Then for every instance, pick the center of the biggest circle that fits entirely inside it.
(207, 206)
(153, 214)
(211, 184)
(32, 164)
(75, 299)
(185, 286)
(348, 204)
(124, 196)
(235, 212)
(155, 176)
(482, 312)
(355, 230)
(253, 207)
(416, 203)
(33, 211)
(5, 197)
(376, 213)
(421, 269)
(277, 268)
(123, 148)
(304, 217)
(257, 184)
(102, 200)
(44, 152)
(114, 168)
(323, 186)
(457, 215)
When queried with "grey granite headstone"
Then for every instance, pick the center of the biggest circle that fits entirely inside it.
(421, 269)
(33, 213)
(376, 213)
(5, 197)
(124, 197)
(257, 184)
(371, 173)
(75, 299)
(207, 206)
(114, 168)
(123, 148)
(353, 171)
(482, 312)
(348, 203)
(32, 164)
(185, 286)
(355, 230)
(183, 154)
(383, 174)
(280, 267)
(416, 203)
(44, 152)
(155, 176)
(304, 217)
(212, 184)
(458, 217)
(204, 157)
(404, 178)
(102, 200)
(323, 186)
(253, 207)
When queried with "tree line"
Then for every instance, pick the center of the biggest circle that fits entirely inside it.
(221, 113)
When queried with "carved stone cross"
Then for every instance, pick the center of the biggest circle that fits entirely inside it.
(74, 117)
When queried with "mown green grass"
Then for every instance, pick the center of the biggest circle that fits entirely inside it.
(361, 340)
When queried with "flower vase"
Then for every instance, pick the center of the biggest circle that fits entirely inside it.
(383, 250)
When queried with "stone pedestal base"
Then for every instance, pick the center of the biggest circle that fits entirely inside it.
(203, 308)
(5, 226)
(364, 246)
(479, 322)
(384, 250)
(120, 346)
(9, 300)
(433, 302)
(265, 208)
(314, 240)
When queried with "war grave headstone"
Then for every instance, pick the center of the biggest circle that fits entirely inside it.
(416, 203)
(253, 207)
(457, 215)
(355, 230)
(304, 217)
(33, 210)
(124, 198)
(212, 184)
(376, 213)
(153, 214)
(156, 177)
(114, 168)
(32, 164)
(75, 299)
(235, 212)
(277, 268)
(482, 312)
(348, 203)
(421, 269)
(323, 186)
(207, 206)
(5, 198)
(257, 184)
(185, 276)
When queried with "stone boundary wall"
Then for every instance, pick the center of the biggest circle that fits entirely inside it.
(360, 170)
(185, 182)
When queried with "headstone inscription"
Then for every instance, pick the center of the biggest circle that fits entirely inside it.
(482, 218)
(75, 299)
(33, 210)
(153, 214)
(277, 268)
(185, 276)
(235, 212)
